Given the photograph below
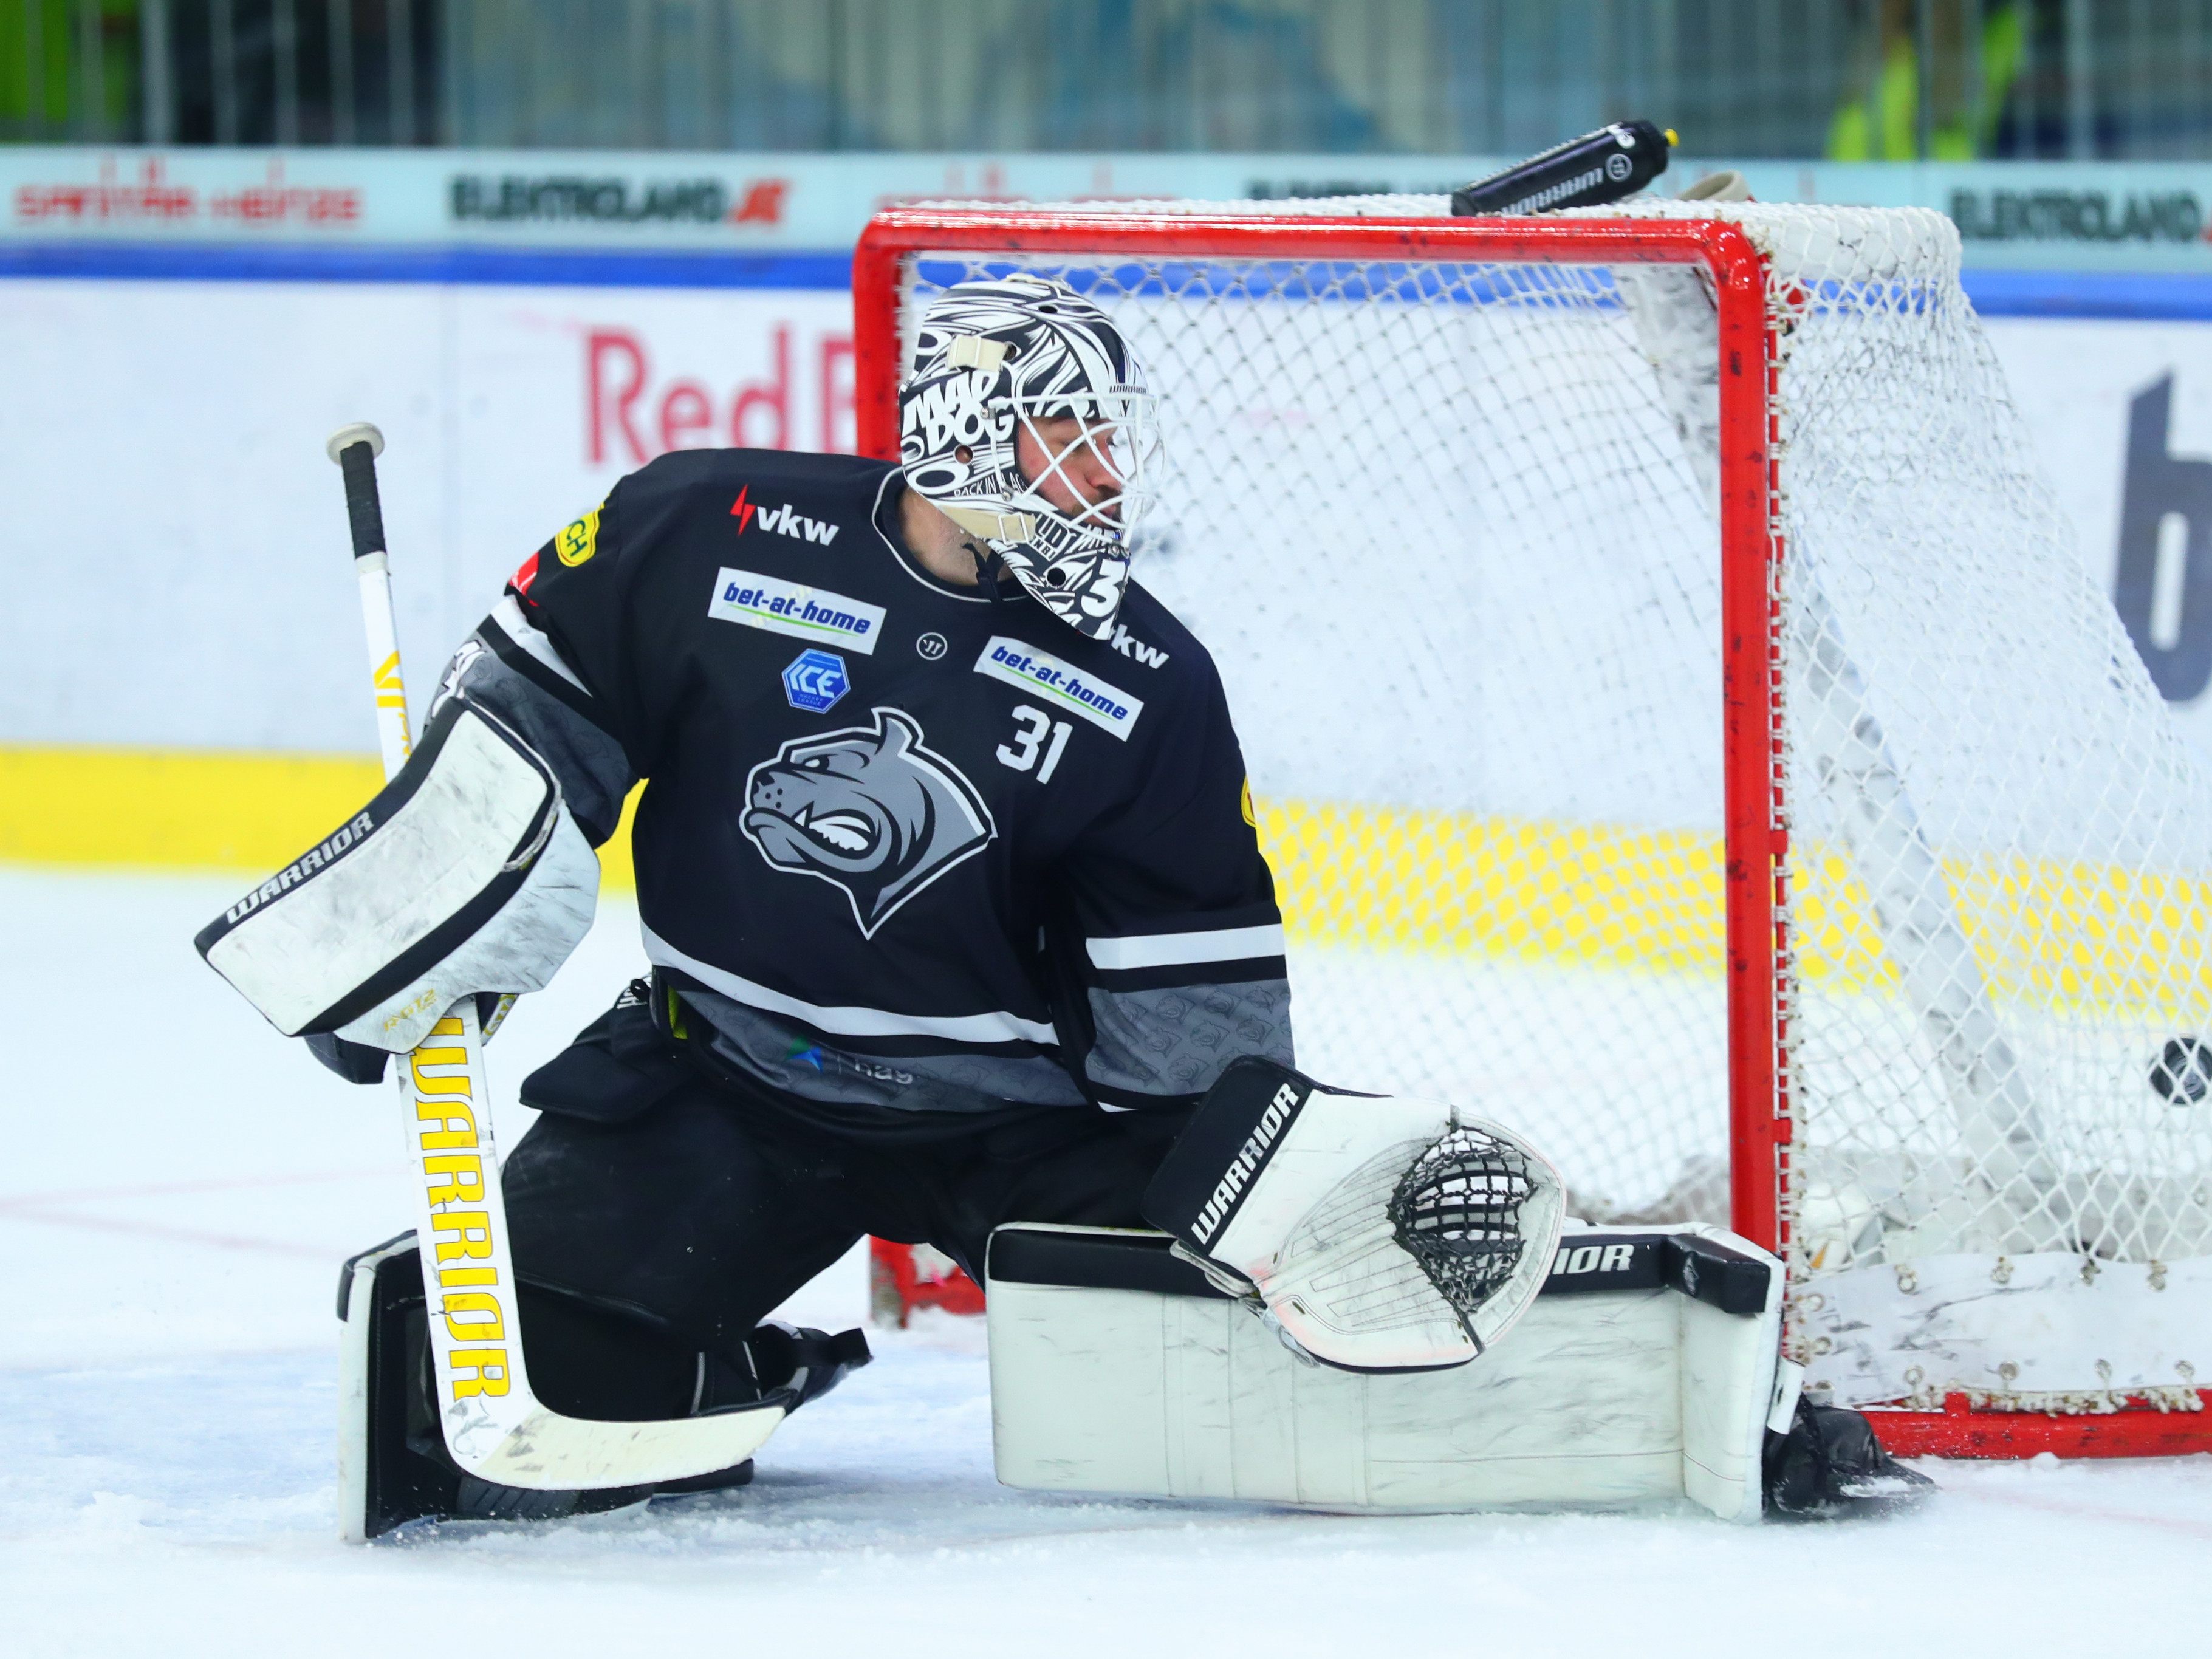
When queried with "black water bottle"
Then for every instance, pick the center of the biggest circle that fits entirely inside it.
(1604, 166)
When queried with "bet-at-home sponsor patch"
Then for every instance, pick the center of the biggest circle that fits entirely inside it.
(1061, 686)
(753, 600)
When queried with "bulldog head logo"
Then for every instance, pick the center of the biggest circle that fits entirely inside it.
(868, 809)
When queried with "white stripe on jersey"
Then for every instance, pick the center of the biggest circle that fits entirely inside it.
(1176, 950)
(850, 1022)
(532, 638)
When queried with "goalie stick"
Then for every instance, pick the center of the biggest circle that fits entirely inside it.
(495, 1427)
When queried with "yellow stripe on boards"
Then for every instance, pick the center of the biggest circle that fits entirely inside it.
(1397, 877)
(2089, 936)
(2084, 937)
(171, 809)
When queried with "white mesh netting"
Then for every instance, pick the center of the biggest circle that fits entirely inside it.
(1448, 530)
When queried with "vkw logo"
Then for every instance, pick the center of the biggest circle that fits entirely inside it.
(785, 520)
(815, 681)
(869, 810)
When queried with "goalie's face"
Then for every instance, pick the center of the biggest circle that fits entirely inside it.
(1080, 464)
(1026, 423)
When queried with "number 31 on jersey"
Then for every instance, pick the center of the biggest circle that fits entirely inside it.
(1033, 725)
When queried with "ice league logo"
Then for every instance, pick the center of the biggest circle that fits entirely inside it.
(815, 680)
(868, 809)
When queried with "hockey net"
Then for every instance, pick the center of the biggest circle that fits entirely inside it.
(1684, 727)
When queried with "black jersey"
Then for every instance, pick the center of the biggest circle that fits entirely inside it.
(901, 844)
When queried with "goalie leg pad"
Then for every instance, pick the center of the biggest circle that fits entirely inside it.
(464, 875)
(1379, 1233)
(393, 1466)
(1644, 1373)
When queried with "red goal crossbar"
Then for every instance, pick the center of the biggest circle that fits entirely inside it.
(1755, 841)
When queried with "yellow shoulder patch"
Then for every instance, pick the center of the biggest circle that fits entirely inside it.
(579, 540)
(1249, 817)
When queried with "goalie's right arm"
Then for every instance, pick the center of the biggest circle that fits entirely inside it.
(470, 871)
(466, 875)
(512, 668)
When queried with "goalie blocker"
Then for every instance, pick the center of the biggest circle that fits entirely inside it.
(464, 875)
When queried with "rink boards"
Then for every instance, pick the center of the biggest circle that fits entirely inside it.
(183, 687)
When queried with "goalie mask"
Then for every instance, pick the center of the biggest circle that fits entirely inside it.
(1022, 356)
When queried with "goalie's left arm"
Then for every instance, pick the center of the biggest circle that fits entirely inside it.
(1166, 943)
(1377, 1233)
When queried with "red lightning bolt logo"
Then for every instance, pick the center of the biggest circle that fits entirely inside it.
(742, 510)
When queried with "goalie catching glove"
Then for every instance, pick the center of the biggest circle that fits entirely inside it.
(1376, 1233)
(464, 875)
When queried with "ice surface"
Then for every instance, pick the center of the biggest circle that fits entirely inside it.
(178, 1187)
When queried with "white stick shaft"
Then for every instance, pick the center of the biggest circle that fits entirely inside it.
(460, 1216)
(460, 1227)
(492, 1423)
(394, 739)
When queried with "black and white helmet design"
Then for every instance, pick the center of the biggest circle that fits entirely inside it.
(1022, 353)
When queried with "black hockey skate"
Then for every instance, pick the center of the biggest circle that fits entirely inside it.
(1828, 1465)
(393, 1467)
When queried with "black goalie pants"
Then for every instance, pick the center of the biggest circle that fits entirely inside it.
(702, 1213)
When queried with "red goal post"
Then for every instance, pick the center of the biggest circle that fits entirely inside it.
(1761, 1129)
(1756, 842)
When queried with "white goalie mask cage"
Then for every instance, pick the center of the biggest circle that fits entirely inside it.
(993, 360)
